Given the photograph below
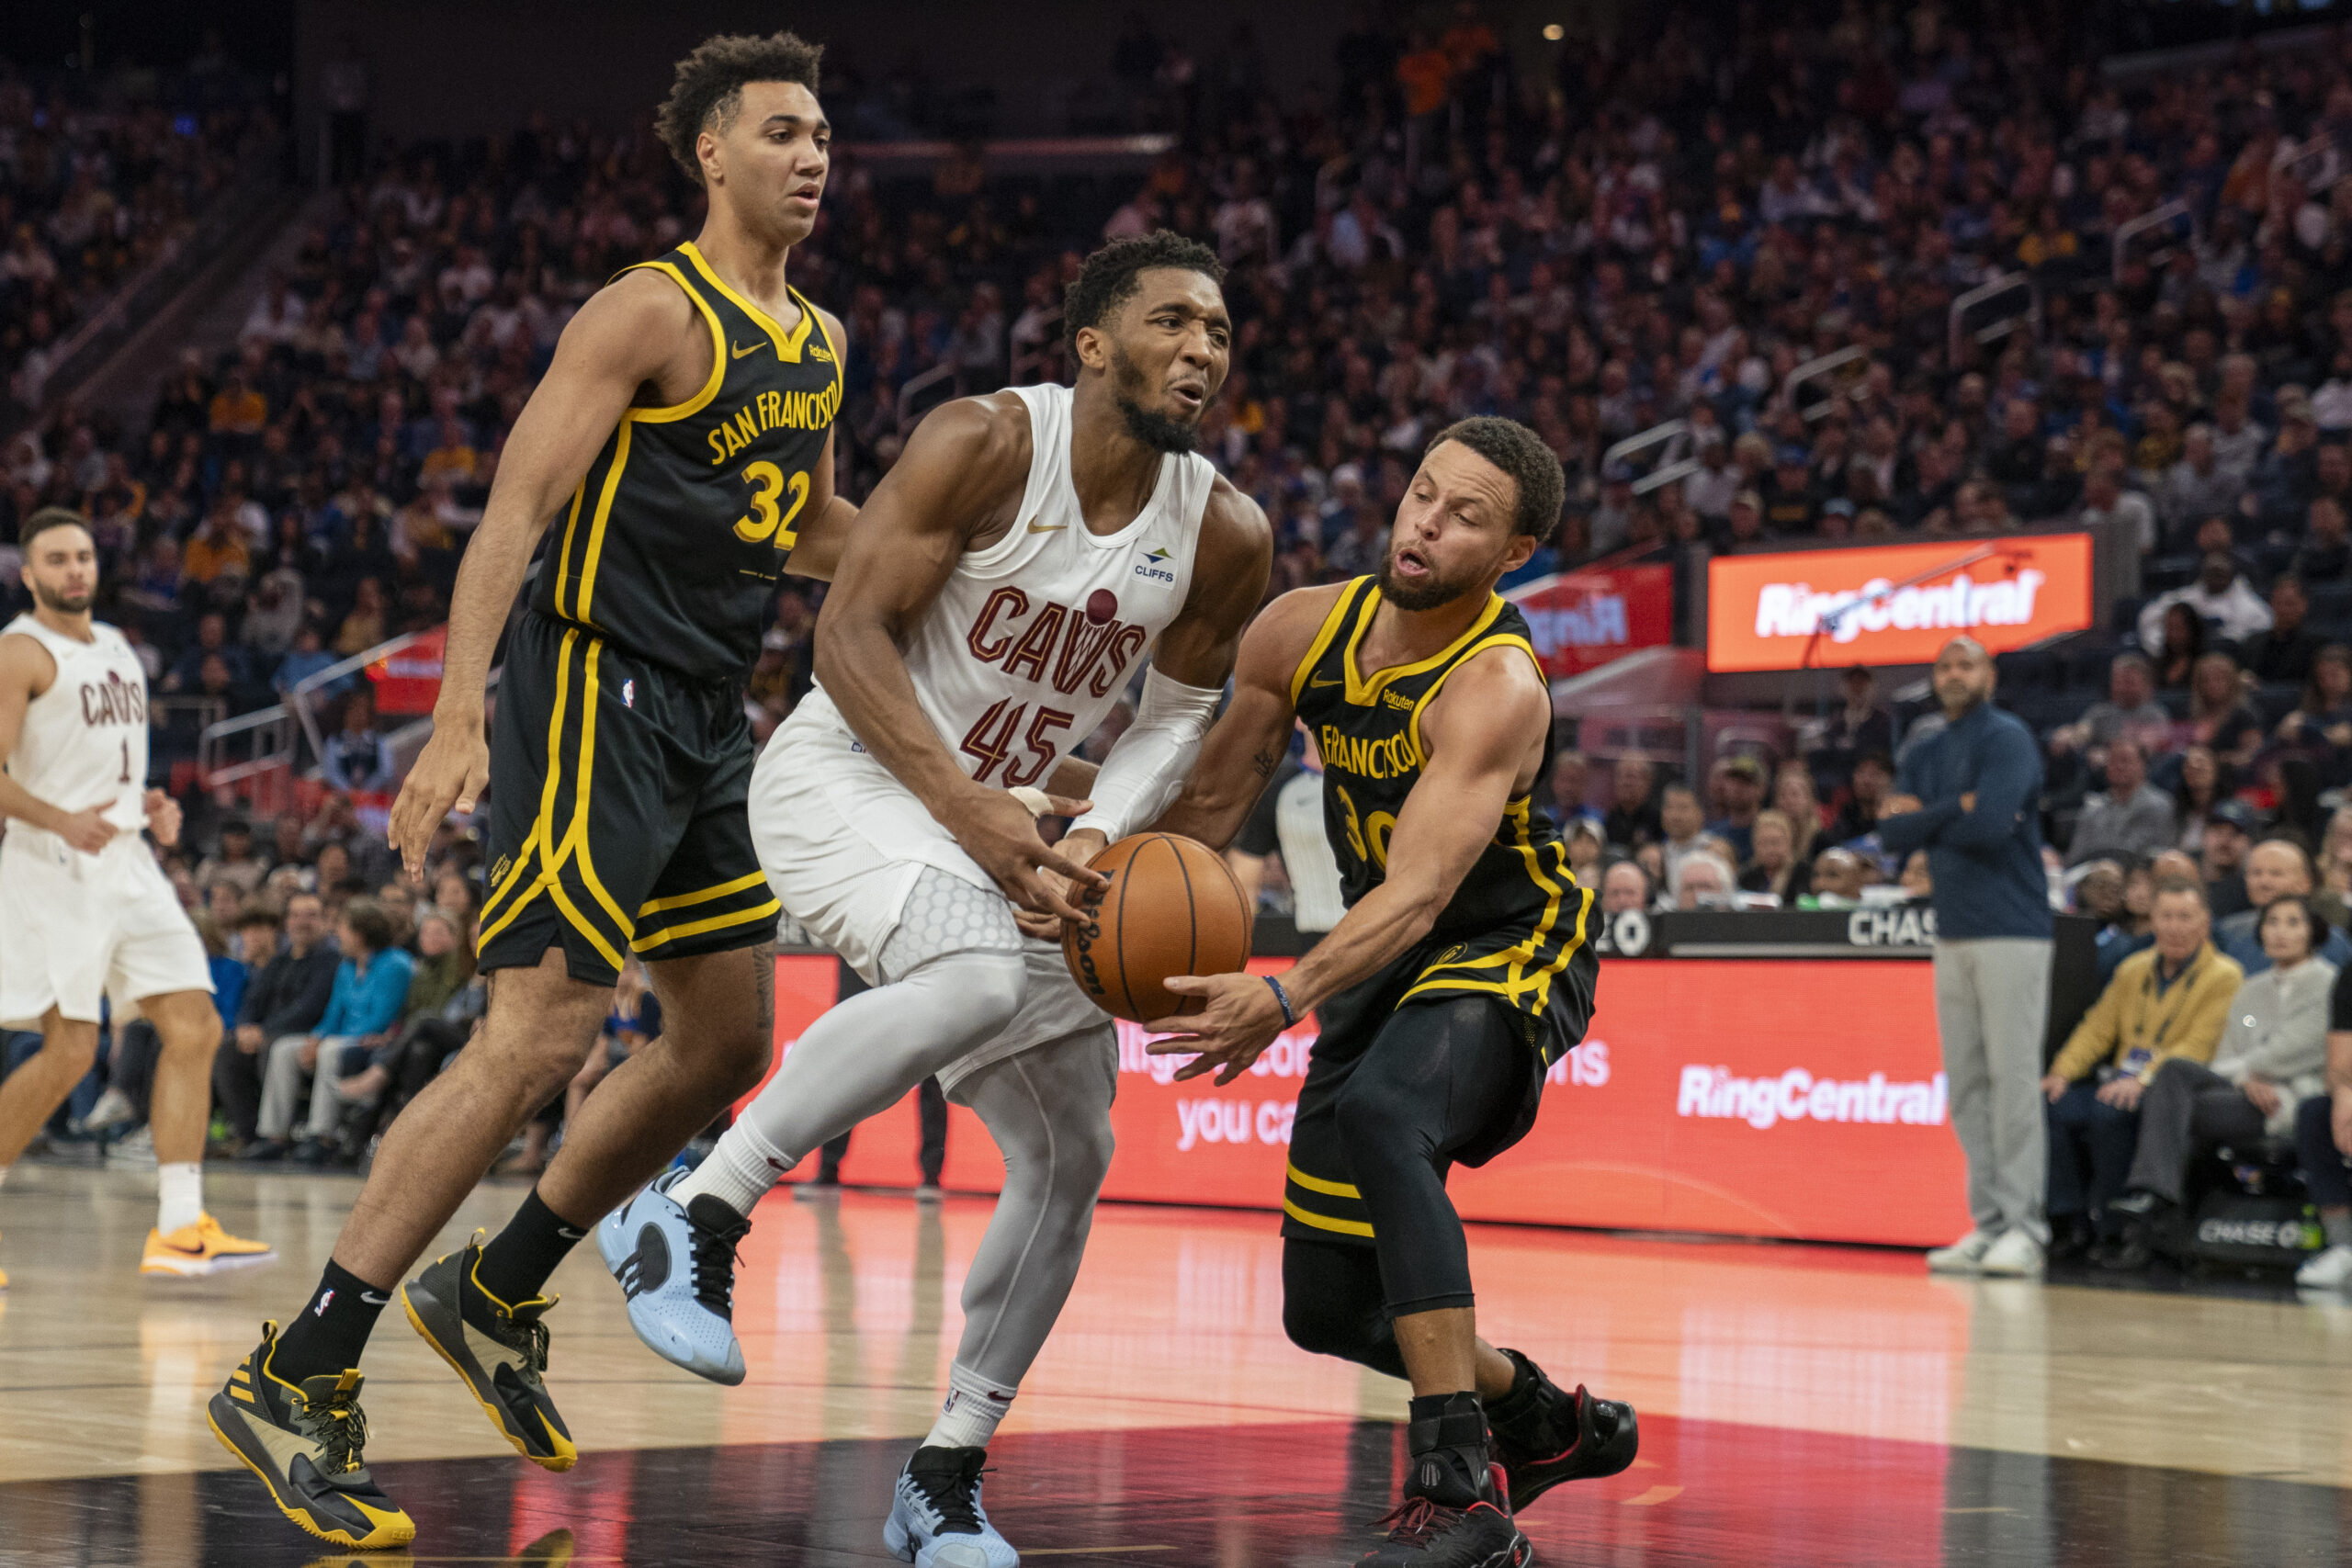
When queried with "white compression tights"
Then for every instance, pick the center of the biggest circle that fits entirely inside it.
(1049, 1110)
(952, 978)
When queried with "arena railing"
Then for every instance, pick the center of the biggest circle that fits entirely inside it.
(2171, 212)
(1820, 368)
(1670, 466)
(1996, 326)
(271, 739)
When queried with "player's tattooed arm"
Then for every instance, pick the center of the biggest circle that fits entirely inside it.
(1252, 737)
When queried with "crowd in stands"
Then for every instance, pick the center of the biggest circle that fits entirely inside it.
(1665, 231)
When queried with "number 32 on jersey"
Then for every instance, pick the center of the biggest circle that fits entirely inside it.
(766, 520)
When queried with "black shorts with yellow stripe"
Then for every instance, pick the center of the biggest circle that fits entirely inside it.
(1543, 987)
(618, 819)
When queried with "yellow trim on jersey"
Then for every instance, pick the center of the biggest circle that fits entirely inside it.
(1365, 690)
(1517, 980)
(584, 586)
(701, 399)
(832, 346)
(1500, 639)
(788, 344)
(768, 909)
(1345, 1227)
(570, 531)
(1317, 1184)
(514, 875)
(1329, 629)
(681, 900)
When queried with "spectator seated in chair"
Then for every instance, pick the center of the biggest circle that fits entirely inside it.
(370, 986)
(1624, 885)
(2131, 817)
(2277, 867)
(2170, 1000)
(2272, 1056)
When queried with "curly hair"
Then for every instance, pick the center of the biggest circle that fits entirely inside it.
(1518, 451)
(708, 88)
(1108, 280)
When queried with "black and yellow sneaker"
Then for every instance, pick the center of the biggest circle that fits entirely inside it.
(304, 1441)
(1544, 1436)
(500, 1350)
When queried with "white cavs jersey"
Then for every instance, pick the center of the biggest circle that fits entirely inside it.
(1032, 638)
(1026, 647)
(84, 740)
(74, 925)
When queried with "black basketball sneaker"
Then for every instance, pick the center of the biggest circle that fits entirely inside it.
(1543, 1435)
(500, 1350)
(304, 1441)
(1448, 1526)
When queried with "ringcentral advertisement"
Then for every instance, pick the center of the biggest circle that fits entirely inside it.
(1893, 603)
(1756, 1098)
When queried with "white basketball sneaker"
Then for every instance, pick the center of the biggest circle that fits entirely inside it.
(936, 1521)
(2017, 1256)
(2328, 1271)
(1965, 1255)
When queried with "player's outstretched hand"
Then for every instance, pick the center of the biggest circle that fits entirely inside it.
(88, 830)
(1239, 1022)
(999, 833)
(163, 817)
(450, 771)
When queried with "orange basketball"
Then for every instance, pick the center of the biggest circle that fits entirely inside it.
(1173, 908)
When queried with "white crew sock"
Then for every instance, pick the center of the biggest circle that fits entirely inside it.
(738, 1172)
(179, 1192)
(968, 1419)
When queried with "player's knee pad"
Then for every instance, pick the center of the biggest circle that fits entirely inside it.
(982, 990)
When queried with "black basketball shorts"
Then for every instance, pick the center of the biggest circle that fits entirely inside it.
(1544, 1011)
(617, 810)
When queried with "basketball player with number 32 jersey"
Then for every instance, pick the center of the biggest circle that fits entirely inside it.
(85, 913)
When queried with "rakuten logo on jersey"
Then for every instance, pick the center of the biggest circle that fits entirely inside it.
(1797, 609)
(1712, 1094)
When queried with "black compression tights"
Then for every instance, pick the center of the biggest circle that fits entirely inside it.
(1435, 1080)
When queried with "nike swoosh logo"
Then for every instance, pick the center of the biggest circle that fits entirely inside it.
(196, 1251)
(1047, 527)
(1322, 680)
(569, 1234)
(373, 1299)
(741, 350)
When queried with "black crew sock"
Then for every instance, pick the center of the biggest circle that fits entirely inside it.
(516, 1263)
(329, 1332)
(1447, 1434)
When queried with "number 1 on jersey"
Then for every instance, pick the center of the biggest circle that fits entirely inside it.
(126, 763)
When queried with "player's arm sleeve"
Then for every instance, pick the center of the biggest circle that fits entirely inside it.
(1149, 763)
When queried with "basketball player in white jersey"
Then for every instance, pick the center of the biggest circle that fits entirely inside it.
(85, 911)
(1009, 577)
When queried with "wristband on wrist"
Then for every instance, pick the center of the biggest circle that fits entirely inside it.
(1290, 1014)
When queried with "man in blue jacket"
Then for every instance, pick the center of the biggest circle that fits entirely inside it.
(1971, 796)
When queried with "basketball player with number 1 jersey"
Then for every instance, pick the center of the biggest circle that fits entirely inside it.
(85, 911)
(1460, 972)
(1004, 583)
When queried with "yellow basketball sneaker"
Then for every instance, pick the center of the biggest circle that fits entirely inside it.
(304, 1442)
(192, 1252)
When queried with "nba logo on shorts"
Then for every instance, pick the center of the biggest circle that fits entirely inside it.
(628, 695)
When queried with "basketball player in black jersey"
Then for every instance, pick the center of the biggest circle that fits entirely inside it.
(678, 448)
(1463, 969)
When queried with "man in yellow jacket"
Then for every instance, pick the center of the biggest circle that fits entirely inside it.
(2168, 1000)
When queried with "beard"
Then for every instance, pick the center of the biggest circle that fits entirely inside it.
(1426, 595)
(61, 604)
(1161, 433)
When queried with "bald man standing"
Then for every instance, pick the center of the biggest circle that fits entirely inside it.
(1971, 796)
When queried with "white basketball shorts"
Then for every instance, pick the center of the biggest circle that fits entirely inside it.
(75, 927)
(843, 841)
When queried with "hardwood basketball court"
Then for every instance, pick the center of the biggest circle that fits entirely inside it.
(1812, 1405)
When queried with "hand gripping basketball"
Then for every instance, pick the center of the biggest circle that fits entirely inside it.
(1169, 907)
